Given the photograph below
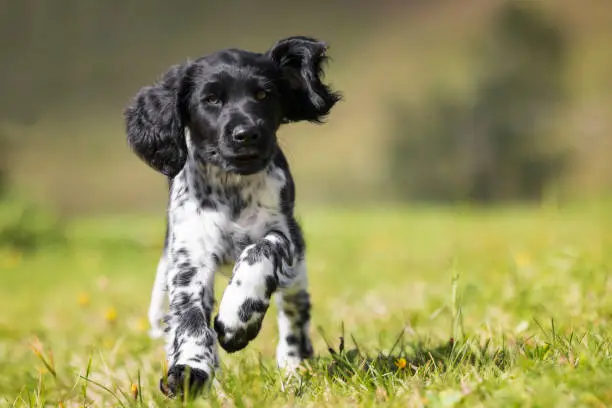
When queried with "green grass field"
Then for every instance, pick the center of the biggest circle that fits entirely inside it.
(446, 307)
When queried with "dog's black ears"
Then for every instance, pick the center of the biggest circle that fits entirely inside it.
(154, 122)
(301, 60)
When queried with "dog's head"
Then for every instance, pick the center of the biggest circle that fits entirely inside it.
(232, 102)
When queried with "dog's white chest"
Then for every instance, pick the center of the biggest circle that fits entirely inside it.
(262, 211)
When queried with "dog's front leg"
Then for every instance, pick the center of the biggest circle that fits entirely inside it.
(190, 341)
(256, 276)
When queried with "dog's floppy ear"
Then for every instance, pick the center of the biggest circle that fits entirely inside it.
(301, 62)
(154, 122)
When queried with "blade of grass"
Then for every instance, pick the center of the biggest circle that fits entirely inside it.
(85, 384)
(105, 388)
(139, 389)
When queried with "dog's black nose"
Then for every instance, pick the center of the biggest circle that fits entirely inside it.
(245, 134)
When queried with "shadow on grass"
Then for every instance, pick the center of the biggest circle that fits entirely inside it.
(408, 359)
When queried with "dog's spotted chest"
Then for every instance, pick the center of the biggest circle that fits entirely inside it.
(242, 208)
(255, 216)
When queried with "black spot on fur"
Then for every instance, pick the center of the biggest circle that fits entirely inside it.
(180, 301)
(297, 308)
(176, 347)
(271, 285)
(219, 327)
(243, 242)
(226, 238)
(197, 358)
(192, 322)
(256, 253)
(207, 341)
(252, 255)
(185, 276)
(208, 203)
(181, 252)
(250, 306)
(236, 203)
(306, 350)
(207, 300)
(279, 253)
(299, 301)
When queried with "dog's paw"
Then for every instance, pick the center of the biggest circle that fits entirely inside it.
(237, 334)
(183, 379)
(292, 351)
(287, 360)
(236, 328)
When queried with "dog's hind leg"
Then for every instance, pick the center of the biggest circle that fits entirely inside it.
(293, 304)
(159, 295)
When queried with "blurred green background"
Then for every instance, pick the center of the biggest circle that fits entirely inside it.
(474, 101)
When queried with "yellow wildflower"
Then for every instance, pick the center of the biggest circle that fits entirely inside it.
(134, 391)
(400, 363)
(522, 259)
(83, 299)
(142, 325)
(111, 315)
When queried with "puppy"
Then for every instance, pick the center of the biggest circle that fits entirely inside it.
(210, 127)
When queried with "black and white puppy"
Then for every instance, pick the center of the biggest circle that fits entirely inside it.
(210, 126)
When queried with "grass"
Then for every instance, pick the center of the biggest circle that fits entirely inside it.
(412, 307)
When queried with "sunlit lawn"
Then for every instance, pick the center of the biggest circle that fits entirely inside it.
(436, 308)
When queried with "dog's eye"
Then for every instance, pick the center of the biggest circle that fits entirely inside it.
(212, 99)
(261, 95)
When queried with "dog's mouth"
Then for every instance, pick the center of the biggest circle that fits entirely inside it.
(247, 163)
(245, 158)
